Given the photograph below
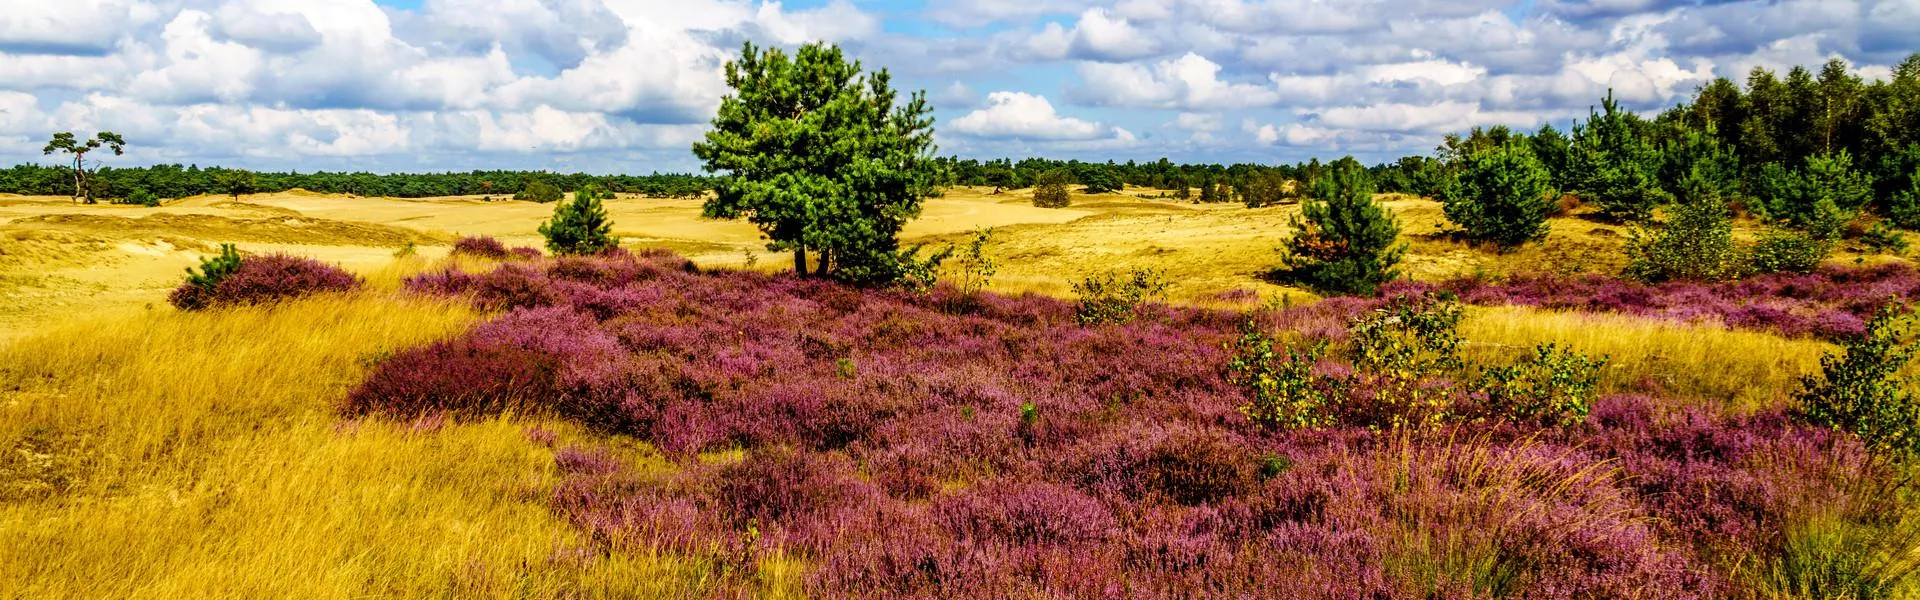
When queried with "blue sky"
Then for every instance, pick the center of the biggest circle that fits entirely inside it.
(626, 85)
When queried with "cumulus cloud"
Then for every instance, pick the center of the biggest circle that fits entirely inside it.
(1019, 115)
(1190, 82)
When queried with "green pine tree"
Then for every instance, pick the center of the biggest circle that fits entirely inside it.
(1500, 194)
(1614, 166)
(580, 226)
(1343, 241)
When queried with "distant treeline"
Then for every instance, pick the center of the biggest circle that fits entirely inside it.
(176, 181)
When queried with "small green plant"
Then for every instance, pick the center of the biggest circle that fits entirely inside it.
(215, 268)
(140, 197)
(580, 226)
(1553, 387)
(411, 249)
(1283, 391)
(846, 368)
(1110, 299)
(1884, 239)
(1861, 391)
(1695, 244)
(1414, 335)
(1274, 465)
(539, 191)
(976, 268)
(1343, 242)
(1788, 252)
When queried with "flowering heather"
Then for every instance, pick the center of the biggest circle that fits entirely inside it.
(480, 246)
(265, 279)
(1829, 303)
(921, 446)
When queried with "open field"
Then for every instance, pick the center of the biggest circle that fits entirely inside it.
(160, 453)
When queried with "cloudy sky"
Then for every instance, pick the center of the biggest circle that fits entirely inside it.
(626, 85)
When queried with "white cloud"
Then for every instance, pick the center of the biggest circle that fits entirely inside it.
(1190, 82)
(1019, 115)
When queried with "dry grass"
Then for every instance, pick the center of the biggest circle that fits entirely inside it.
(1743, 368)
(173, 455)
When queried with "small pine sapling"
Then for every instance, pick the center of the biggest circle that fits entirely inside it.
(581, 226)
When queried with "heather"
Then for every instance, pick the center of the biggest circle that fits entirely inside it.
(480, 246)
(974, 445)
(231, 280)
(1832, 302)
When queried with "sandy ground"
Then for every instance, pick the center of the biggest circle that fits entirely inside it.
(57, 257)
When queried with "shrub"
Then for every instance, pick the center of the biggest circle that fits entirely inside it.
(1904, 208)
(525, 253)
(580, 226)
(1501, 194)
(1695, 244)
(1284, 392)
(539, 191)
(1787, 252)
(1343, 241)
(976, 268)
(1553, 387)
(140, 197)
(1614, 165)
(1050, 190)
(480, 246)
(1861, 391)
(1414, 334)
(1110, 299)
(228, 280)
(1096, 179)
(1804, 197)
(1884, 239)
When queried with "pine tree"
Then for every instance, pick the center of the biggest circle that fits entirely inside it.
(1500, 194)
(1050, 190)
(1616, 167)
(1343, 241)
(580, 226)
(1695, 243)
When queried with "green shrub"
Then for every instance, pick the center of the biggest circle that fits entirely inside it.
(1695, 244)
(539, 191)
(1809, 198)
(1417, 335)
(1787, 252)
(1904, 207)
(215, 268)
(1283, 391)
(1050, 190)
(1110, 299)
(1553, 387)
(1614, 165)
(1884, 238)
(1098, 180)
(1501, 194)
(1343, 241)
(976, 268)
(1861, 391)
(140, 197)
(580, 226)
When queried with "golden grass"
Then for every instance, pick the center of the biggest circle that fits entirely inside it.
(1745, 369)
(171, 455)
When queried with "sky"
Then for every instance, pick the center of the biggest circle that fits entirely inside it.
(626, 86)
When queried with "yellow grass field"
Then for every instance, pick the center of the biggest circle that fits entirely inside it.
(152, 453)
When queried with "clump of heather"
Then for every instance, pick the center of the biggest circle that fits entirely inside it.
(480, 246)
(1830, 303)
(233, 280)
(914, 445)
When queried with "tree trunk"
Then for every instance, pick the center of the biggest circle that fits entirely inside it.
(822, 264)
(800, 261)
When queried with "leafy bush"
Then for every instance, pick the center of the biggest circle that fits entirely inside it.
(1787, 252)
(976, 267)
(1096, 179)
(139, 197)
(1861, 390)
(1343, 242)
(1050, 190)
(228, 280)
(1501, 194)
(1883, 238)
(1695, 244)
(1904, 208)
(1554, 387)
(1808, 198)
(580, 226)
(540, 191)
(1613, 164)
(1109, 299)
(1284, 391)
(1416, 335)
(480, 246)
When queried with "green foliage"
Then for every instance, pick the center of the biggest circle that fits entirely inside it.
(1284, 391)
(1861, 390)
(213, 269)
(580, 226)
(1884, 238)
(1098, 179)
(1835, 558)
(1343, 242)
(139, 197)
(846, 368)
(823, 157)
(1107, 298)
(976, 267)
(1265, 189)
(1695, 244)
(1500, 194)
(539, 191)
(65, 143)
(236, 182)
(1904, 208)
(1828, 188)
(1787, 252)
(1553, 387)
(1412, 335)
(1050, 190)
(904, 269)
(1555, 152)
(1615, 166)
